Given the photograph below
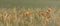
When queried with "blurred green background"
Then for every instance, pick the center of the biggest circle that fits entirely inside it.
(7, 5)
(29, 3)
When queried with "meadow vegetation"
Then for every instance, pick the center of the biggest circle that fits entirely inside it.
(29, 16)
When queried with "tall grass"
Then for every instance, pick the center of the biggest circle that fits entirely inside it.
(29, 17)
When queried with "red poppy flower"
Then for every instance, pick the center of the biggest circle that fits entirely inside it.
(48, 10)
(26, 14)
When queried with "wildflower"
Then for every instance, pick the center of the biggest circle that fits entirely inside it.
(48, 10)
(26, 14)
(41, 13)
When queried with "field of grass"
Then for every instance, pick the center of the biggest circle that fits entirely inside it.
(29, 17)
(29, 12)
